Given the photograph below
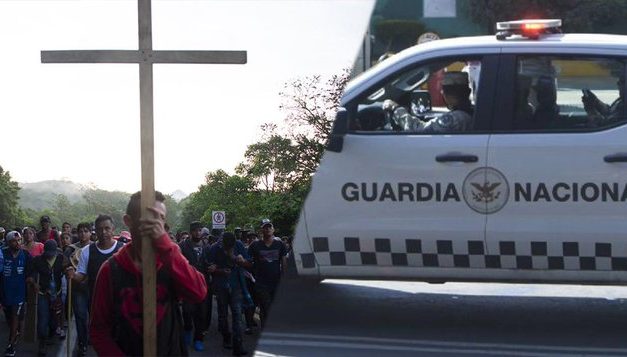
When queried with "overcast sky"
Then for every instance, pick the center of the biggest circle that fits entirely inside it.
(81, 121)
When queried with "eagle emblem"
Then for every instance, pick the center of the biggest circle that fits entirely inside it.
(485, 190)
(485, 193)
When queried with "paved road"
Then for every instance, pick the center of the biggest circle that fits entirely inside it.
(350, 318)
(213, 342)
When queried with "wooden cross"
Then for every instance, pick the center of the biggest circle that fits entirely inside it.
(146, 57)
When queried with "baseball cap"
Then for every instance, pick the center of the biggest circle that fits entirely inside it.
(204, 232)
(265, 222)
(50, 248)
(12, 235)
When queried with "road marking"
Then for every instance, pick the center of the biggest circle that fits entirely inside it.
(373, 347)
(607, 292)
(266, 354)
(375, 343)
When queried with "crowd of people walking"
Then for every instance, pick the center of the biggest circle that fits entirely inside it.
(92, 273)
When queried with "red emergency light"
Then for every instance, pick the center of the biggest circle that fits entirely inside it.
(533, 26)
(531, 29)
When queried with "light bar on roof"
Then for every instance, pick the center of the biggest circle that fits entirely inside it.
(531, 29)
(529, 24)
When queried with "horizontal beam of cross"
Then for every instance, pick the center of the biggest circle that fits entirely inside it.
(143, 56)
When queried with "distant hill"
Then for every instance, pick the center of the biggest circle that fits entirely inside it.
(42, 195)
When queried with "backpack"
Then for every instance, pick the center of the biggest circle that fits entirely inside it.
(127, 321)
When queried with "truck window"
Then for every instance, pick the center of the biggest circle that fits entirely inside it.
(569, 94)
(431, 98)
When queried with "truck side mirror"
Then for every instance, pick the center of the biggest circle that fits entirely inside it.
(340, 128)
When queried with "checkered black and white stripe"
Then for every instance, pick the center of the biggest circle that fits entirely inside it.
(467, 254)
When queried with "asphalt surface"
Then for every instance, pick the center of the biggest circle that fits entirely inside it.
(378, 318)
(213, 341)
(350, 318)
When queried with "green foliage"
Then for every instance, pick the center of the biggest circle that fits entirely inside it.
(79, 204)
(283, 208)
(10, 213)
(43, 194)
(311, 104)
(270, 163)
(92, 203)
(272, 182)
(282, 163)
(221, 192)
(245, 205)
(106, 202)
(576, 15)
(173, 211)
(274, 178)
(30, 218)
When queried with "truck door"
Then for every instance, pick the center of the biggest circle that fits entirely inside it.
(564, 163)
(390, 203)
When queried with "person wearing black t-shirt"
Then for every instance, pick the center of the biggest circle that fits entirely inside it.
(269, 263)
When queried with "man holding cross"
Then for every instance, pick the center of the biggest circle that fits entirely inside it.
(116, 327)
(145, 57)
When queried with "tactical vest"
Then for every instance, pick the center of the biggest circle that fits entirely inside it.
(127, 329)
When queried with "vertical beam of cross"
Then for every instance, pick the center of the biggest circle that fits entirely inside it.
(146, 57)
(146, 129)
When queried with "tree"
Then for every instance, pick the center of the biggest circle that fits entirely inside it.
(68, 212)
(10, 213)
(106, 202)
(270, 163)
(76, 206)
(221, 192)
(173, 211)
(274, 178)
(311, 104)
(283, 208)
(282, 163)
(577, 15)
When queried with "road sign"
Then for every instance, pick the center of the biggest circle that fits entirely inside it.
(218, 219)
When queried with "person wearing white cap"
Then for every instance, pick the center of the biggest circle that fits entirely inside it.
(15, 272)
(456, 94)
(205, 234)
